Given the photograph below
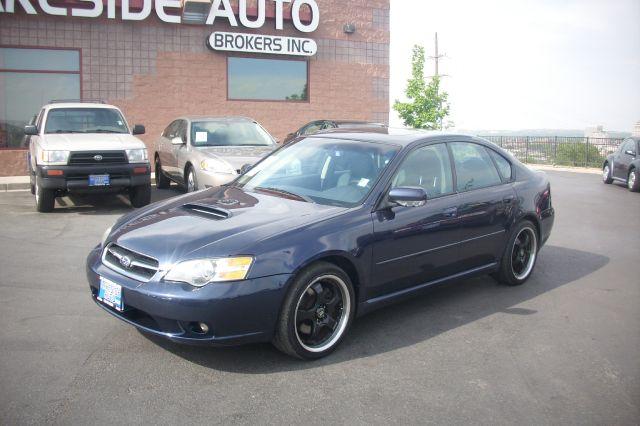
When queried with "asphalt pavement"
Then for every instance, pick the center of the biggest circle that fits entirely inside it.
(562, 349)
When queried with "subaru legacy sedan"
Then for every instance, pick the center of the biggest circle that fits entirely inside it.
(203, 152)
(322, 230)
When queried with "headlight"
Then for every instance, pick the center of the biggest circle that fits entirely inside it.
(137, 155)
(199, 272)
(216, 166)
(105, 236)
(54, 157)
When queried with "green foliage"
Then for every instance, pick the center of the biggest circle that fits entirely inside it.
(427, 105)
(577, 154)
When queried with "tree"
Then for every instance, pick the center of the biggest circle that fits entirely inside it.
(427, 105)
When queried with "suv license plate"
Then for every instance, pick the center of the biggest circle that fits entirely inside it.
(110, 294)
(99, 180)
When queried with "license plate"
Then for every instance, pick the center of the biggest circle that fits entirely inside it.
(110, 294)
(98, 180)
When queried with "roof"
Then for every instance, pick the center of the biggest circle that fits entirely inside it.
(78, 105)
(393, 135)
(214, 118)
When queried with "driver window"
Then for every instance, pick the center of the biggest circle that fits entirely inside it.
(428, 167)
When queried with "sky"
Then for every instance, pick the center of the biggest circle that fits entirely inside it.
(520, 64)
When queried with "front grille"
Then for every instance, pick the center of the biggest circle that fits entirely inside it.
(129, 263)
(105, 157)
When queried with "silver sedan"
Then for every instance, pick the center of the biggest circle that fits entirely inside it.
(204, 152)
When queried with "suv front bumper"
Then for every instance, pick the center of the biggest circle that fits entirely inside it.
(76, 178)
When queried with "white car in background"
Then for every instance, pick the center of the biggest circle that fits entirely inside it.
(86, 147)
(205, 152)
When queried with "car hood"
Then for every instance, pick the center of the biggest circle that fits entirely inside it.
(217, 222)
(90, 141)
(237, 156)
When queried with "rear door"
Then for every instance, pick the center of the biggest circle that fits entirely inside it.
(415, 245)
(486, 200)
(164, 147)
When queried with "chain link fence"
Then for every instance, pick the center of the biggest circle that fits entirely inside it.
(558, 150)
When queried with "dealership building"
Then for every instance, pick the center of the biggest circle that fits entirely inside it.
(281, 62)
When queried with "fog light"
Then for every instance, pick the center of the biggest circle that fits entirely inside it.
(204, 327)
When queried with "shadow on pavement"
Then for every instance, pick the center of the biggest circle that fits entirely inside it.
(107, 204)
(440, 309)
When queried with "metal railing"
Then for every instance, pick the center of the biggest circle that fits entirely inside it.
(558, 150)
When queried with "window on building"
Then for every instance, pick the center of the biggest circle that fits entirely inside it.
(30, 78)
(267, 79)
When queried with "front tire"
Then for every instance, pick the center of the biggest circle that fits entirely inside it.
(317, 312)
(606, 174)
(191, 181)
(162, 181)
(633, 181)
(140, 195)
(520, 255)
(45, 198)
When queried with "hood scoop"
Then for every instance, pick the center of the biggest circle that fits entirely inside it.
(208, 211)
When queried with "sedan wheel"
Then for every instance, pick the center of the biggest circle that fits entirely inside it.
(606, 174)
(317, 312)
(520, 255)
(192, 183)
(633, 183)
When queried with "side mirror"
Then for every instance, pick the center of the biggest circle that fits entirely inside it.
(408, 196)
(138, 129)
(30, 130)
(177, 141)
(630, 152)
(245, 168)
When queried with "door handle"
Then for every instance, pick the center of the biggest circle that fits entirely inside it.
(450, 212)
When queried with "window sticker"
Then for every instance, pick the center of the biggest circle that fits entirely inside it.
(119, 123)
(363, 182)
(202, 136)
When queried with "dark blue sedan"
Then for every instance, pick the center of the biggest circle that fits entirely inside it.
(323, 230)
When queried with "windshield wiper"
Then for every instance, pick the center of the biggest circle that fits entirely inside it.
(104, 131)
(289, 194)
(67, 131)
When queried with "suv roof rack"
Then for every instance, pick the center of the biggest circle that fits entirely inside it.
(67, 101)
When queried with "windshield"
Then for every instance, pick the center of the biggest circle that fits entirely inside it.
(225, 133)
(85, 120)
(324, 171)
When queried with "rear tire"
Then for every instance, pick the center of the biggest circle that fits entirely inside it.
(45, 198)
(140, 195)
(317, 312)
(162, 181)
(606, 174)
(633, 181)
(520, 255)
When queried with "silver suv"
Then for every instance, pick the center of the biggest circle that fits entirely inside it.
(204, 152)
(86, 147)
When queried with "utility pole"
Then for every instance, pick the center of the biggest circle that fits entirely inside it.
(437, 57)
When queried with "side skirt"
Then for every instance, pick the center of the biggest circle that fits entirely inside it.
(387, 299)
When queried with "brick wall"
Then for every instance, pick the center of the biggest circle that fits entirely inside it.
(156, 71)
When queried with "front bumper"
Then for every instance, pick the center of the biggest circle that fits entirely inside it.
(237, 312)
(76, 178)
(211, 179)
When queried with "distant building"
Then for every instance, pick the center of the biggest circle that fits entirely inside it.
(636, 130)
(596, 132)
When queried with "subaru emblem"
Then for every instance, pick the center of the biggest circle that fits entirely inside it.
(97, 157)
(125, 261)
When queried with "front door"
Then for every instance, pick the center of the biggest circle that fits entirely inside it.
(624, 159)
(415, 245)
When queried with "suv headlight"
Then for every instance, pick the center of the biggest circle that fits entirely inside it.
(54, 157)
(200, 272)
(216, 166)
(137, 155)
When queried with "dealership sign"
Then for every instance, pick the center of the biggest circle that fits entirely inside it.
(170, 11)
(257, 43)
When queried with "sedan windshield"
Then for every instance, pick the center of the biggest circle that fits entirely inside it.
(229, 133)
(85, 120)
(325, 171)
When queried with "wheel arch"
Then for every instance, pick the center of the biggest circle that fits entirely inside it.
(343, 261)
